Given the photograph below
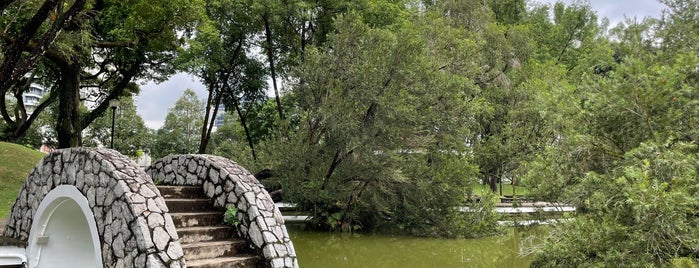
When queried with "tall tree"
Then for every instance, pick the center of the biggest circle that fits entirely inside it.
(628, 159)
(106, 47)
(221, 56)
(383, 115)
(30, 29)
(180, 132)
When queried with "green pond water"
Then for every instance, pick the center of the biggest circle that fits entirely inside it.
(322, 249)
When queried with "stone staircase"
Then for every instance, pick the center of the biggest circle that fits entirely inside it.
(206, 241)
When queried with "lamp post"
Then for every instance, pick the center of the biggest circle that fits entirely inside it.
(113, 104)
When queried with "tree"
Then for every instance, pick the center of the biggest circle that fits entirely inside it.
(101, 50)
(130, 131)
(384, 113)
(30, 30)
(180, 132)
(234, 77)
(509, 126)
(627, 159)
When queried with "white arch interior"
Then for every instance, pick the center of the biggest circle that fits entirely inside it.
(64, 232)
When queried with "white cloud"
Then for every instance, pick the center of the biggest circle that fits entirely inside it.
(156, 99)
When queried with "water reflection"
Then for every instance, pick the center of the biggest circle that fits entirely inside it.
(321, 249)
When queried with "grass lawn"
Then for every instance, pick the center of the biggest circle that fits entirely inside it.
(506, 189)
(16, 161)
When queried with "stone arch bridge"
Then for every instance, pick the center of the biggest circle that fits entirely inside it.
(85, 207)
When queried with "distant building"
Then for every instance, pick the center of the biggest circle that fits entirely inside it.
(31, 97)
(220, 115)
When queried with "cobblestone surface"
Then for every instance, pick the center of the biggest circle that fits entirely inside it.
(131, 216)
(229, 184)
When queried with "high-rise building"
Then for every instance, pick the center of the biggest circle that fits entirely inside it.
(32, 96)
(220, 114)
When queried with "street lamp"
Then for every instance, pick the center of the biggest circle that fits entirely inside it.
(113, 104)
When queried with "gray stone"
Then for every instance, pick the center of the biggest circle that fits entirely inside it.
(142, 234)
(288, 262)
(271, 223)
(192, 166)
(156, 220)
(109, 197)
(153, 206)
(269, 251)
(223, 174)
(118, 246)
(290, 249)
(209, 188)
(146, 191)
(278, 231)
(269, 237)
(220, 201)
(214, 176)
(170, 227)
(99, 196)
(140, 261)
(255, 235)
(281, 250)
(90, 196)
(160, 238)
(192, 179)
(174, 251)
(154, 262)
(140, 208)
(278, 262)
(160, 202)
(232, 199)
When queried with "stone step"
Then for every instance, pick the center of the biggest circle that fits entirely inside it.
(188, 205)
(204, 234)
(214, 249)
(240, 261)
(197, 219)
(180, 192)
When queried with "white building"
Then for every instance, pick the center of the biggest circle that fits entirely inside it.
(32, 97)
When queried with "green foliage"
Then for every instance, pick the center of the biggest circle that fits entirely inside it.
(642, 213)
(380, 138)
(131, 135)
(181, 129)
(230, 217)
(684, 263)
(628, 160)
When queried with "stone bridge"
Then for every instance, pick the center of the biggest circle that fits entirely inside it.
(85, 207)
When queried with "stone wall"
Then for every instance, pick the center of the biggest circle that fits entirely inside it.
(229, 184)
(130, 214)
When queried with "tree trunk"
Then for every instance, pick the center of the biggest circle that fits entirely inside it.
(204, 140)
(68, 128)
(270, 57)
(243, 122)
(494, 184)
(207, 134)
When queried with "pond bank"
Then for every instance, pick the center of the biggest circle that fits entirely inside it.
(553, 210)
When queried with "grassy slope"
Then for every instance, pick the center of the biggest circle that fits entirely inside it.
(16, 162)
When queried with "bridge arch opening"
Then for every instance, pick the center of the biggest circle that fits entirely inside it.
(64, 233)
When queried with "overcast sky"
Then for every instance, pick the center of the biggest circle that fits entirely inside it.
(155, 99)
